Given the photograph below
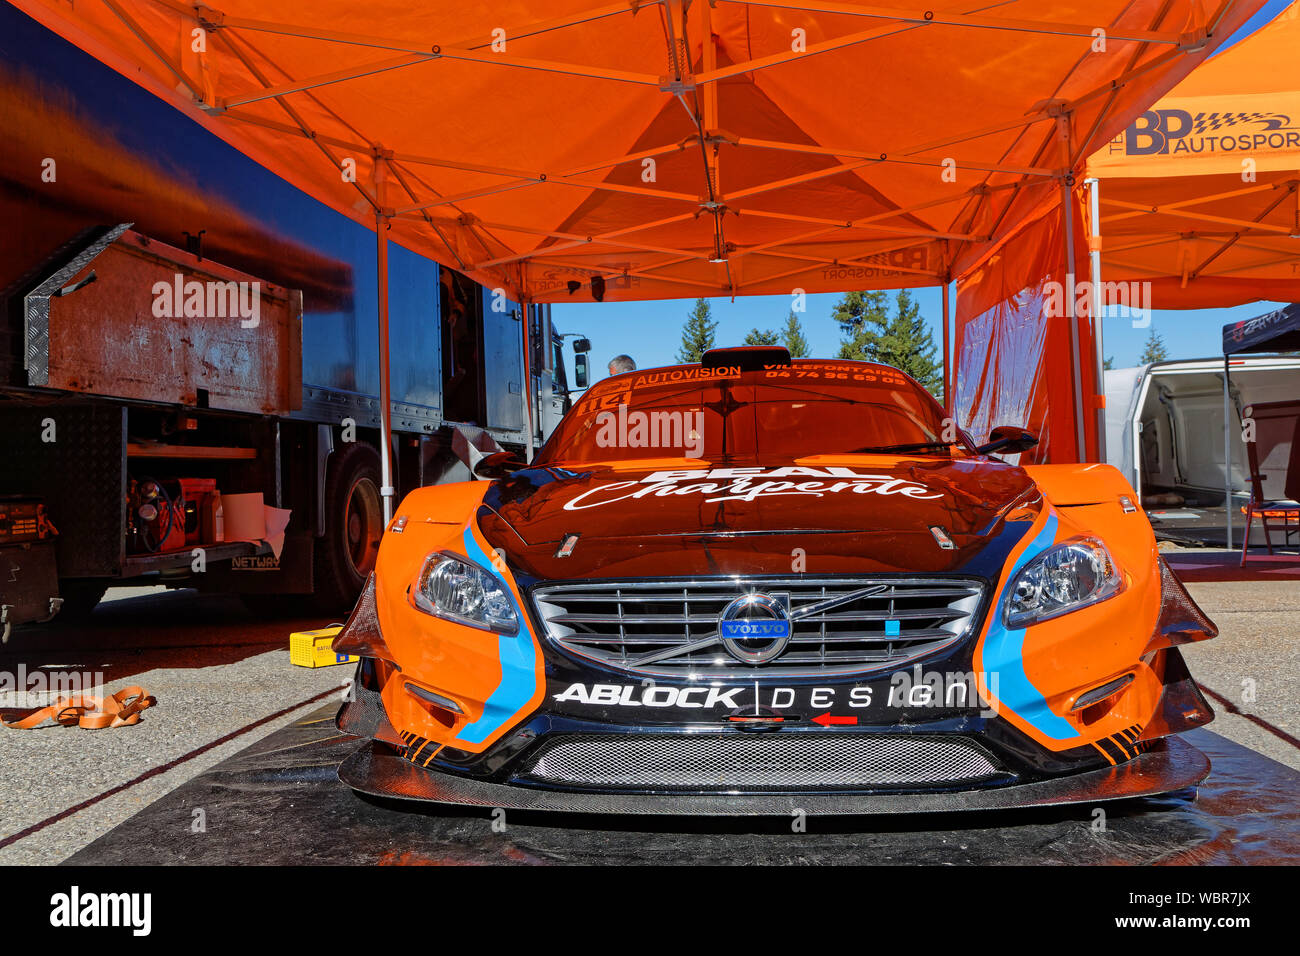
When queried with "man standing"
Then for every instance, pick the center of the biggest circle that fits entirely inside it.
(620, 364)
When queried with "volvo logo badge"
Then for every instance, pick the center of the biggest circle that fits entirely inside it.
(755, 628)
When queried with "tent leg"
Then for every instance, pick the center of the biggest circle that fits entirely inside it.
(1098, 311)
(1067, 210)
(386, 489)
(528, 390)
(947, 355)
(1227, 456)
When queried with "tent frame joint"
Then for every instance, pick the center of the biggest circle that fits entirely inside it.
(208, 18)
(676, 86)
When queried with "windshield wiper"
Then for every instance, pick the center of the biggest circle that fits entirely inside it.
(911, 446)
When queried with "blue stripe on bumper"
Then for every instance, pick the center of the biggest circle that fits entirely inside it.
(1002, 652)
(517, 656)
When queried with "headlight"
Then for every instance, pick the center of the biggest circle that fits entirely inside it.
(1065, 578)
(452, 588)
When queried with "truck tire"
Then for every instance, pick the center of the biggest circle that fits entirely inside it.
(354, 522)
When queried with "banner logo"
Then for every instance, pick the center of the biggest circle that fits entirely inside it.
(1165, 132)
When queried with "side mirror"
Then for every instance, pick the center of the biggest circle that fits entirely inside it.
(1008, 439)
(498, 465)
(580, 370)
(582, 344)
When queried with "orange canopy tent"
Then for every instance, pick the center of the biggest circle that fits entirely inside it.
(1199, 195)
(1198, 200)
(1193, 205)
(653, 149)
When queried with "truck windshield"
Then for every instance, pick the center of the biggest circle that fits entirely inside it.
(781, 413)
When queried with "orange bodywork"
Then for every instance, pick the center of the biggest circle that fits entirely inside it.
(1066, 656)
(461, 663)
(1034, 682)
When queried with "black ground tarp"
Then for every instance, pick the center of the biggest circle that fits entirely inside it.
(280, 801)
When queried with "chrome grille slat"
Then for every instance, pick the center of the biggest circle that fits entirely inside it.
(759, 762)
(661, 640)
(589, 592)
(616, 622)
(832, 655)
(720, 597)
(922, 615)
(866, 636)
(629, 619)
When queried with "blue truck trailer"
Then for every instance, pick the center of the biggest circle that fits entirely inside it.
(182, 328)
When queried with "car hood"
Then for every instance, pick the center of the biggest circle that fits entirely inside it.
(856, 513)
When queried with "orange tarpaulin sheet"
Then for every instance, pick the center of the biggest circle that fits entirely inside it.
(1199, 195)
(670, 149)
(1014, 351)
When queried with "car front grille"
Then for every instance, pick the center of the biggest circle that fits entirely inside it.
(617, 623)
(741, 761)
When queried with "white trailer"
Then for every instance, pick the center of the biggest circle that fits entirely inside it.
(1165, 425)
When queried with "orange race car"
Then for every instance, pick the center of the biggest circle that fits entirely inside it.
(757, 585)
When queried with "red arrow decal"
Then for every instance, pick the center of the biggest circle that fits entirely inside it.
(827, 719)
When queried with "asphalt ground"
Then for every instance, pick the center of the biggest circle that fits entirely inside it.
(1251, 672)
(216, 671)
(223, 681)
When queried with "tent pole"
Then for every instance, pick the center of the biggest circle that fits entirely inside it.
(386, 489)
(529, 393)
(947, 355)
(1098, 310)
(1227, 454)
(1081, 441)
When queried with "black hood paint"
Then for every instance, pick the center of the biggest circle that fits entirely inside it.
(835, 532)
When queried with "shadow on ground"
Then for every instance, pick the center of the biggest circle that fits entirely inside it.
(129, 635)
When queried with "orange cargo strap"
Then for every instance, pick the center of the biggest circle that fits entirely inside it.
(90, 712)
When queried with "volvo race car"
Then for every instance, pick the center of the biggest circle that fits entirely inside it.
(757, 585)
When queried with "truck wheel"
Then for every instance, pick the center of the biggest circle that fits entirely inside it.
(354, 522)
(79, 598)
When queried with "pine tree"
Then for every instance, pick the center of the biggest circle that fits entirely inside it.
(1154, 351)
(756, 337)
(1108, 364)
(901, 340)
(861, 316)
(697, 333)
(793, 339)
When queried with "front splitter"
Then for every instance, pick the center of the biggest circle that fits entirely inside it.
(1169, 765)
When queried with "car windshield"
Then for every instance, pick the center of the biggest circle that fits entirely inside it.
(777, 413)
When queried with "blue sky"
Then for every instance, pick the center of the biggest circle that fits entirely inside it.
(651, 332)
(1263, 15)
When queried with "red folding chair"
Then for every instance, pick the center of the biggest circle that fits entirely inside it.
(1277, 443)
